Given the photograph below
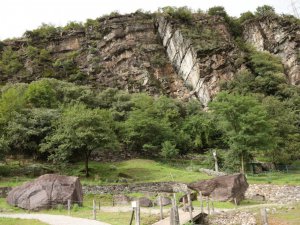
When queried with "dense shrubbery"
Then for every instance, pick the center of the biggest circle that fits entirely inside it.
(182, 13)
(10, 62)
(257, 112)
(65, 122)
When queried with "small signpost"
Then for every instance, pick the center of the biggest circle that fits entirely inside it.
(135, 210)
(216, 161)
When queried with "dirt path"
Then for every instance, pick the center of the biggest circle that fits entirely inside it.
(55, 219)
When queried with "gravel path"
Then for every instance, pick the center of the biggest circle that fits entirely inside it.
(55, 219)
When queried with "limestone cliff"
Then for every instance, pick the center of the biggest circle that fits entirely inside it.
(277, 36)
(202, 52)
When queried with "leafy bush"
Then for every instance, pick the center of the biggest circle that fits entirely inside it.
(10, 62)
(182, 13)
(42, 32)
(265, 10)
(246, 16)
(41, 94)
(73, 26)
(217, 11)
(169, 150)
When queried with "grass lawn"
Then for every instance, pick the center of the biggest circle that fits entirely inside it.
(135, 170)
(138, 170)
(11, 221)
(279, 178)
(290, 177)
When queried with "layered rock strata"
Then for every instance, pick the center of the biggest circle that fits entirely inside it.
(279, 37)
(201, 67)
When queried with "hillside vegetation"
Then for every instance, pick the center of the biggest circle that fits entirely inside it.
(46, 113)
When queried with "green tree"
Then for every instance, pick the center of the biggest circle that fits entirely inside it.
(10, 62)
(246, 16)
(27, 129)
(245, 124)
(182, 13)
(217, 11)
(12, 100)
(169, 150)
(286, 132)
(265, 10)
(146, 128)
(41, 94)
(199, 129)
(80, 131)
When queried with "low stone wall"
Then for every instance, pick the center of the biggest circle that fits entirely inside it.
(274, 193)
(139, 187)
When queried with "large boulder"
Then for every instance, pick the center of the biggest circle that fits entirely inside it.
(223, 188)
(145, 202)
(45, 192)
(121, 199)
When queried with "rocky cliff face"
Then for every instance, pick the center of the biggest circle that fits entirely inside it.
(277, 36)
(121, 51)
(145, 52)
(202, 53)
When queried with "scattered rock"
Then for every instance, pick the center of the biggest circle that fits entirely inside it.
(145, 202)
(258, 197)
(223, 188)
(45, 192)
(274, 193)
(232, 218)
(121, 199)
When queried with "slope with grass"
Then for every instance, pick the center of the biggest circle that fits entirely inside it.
(136, 171)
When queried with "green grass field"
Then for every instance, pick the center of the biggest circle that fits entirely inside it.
(139, 171)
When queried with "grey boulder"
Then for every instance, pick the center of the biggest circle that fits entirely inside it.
(223, 188)
(46, 191)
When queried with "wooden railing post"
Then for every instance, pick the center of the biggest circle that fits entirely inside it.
(207, 205)
(94, 210)
(161, 208)
(69, 207)
(190, 205)
(201, 201)
(137, 214)
(264, 216)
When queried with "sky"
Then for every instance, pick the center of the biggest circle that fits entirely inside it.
(17, 16)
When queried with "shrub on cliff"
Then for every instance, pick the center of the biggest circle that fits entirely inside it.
(10, 62)
(265, 10)
(182, 13)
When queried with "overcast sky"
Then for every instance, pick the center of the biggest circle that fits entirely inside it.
(17, 16)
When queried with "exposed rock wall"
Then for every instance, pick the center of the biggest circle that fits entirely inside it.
(280, 37)
(160, 55)
(121, 51)
(203, 68)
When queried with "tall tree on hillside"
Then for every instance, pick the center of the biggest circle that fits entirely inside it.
(244, 122)
(80, 131)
